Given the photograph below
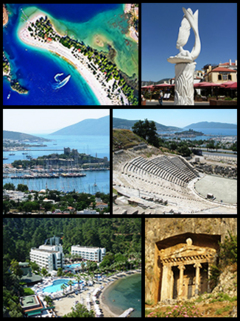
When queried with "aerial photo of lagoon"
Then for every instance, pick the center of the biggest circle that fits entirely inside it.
(70, 54)
(59, 166)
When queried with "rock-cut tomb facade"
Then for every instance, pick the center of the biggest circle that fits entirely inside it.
(183, 269)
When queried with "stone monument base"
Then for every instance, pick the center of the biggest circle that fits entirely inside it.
(184, 90)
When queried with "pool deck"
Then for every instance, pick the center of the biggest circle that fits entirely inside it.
(64, 304)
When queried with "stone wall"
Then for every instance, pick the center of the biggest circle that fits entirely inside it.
(223, 171)
(159, 229)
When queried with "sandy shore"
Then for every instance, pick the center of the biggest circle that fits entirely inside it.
(64, 305)
(106, 311)
(80, 64)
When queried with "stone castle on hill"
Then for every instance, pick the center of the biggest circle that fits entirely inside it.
(73, 158)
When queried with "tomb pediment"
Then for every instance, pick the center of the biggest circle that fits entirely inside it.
(186, 253)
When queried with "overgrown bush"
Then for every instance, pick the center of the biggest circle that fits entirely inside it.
(228, 249)
(186, 310)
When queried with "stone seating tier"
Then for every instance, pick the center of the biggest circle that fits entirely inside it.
(174, 170)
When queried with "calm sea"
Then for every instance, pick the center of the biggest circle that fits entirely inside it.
(36, 68)
(92, 145)
(124, 294)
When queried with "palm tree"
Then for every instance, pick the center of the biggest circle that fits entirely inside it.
(70, 282)
(63, 287)
(82, 265)
(48, 300)
(78, 277)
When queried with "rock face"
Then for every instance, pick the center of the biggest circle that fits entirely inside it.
(173, 262)
(223, 171)
(5, 16)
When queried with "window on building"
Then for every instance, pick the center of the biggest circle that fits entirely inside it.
(229, 77)
(219, 77)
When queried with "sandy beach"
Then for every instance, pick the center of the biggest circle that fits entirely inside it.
(64, 305)
(80, 63)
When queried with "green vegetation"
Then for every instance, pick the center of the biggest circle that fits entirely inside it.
(43, 31)
(124, 138)
(80, 311)
(190, 132)
(34, 203)
(183, 310)
(227, 256)
(147, 130)
(120, 237)
(15, 85)
(21, 136)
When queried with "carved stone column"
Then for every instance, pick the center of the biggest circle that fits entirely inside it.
(167, 283)
(180, 292)
(198, 267)
(184, 90)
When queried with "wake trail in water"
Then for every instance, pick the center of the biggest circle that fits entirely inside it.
(59, 84)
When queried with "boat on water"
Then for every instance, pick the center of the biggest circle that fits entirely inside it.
(59, 84)
(9, 95)
(28, 156)
(24, 153)
(11, 154)
(5, 158)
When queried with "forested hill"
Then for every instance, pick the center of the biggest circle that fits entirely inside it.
(98, 126)
(21, 136)
(117, 235)
(119, 123)
(206, 124)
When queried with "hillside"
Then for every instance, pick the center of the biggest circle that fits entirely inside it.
(206, 124)
(98, 126)
(21, 136)
(125, 138)
(119, 123)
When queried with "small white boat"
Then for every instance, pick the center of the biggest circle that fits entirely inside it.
(9, 95)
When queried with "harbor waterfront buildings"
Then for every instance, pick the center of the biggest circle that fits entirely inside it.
(90, 253)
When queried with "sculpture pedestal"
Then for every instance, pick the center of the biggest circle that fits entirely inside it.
(184, 90)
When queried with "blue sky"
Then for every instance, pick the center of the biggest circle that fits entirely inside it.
(160, 25)
(46, 121)
(178, 117)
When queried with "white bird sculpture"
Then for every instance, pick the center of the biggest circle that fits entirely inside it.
(189, 21)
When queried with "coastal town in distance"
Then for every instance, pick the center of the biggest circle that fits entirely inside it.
(62, 169)
(72, 267)
(88, 54)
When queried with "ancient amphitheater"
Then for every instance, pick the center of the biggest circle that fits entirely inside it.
(160, 185)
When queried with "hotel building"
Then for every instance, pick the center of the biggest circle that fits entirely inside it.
(49, 256)
(90, 253)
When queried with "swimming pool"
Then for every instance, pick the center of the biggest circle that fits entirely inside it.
(74, 265)
(56, 285)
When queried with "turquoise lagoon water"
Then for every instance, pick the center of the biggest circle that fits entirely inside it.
(123, 294)
(35, 68)
(56, 286)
